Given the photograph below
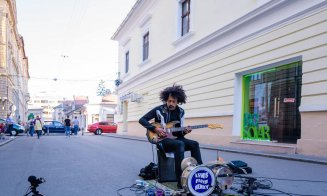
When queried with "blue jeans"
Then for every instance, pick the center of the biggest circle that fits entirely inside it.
(32, 131)
(75, 129)
(39, 132)
(10, 128)
(67, 131)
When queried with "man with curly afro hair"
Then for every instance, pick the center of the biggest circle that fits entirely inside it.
(168, 112)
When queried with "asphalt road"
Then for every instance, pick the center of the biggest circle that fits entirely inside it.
(100, 165)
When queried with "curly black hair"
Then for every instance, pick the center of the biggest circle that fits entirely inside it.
(175, 91)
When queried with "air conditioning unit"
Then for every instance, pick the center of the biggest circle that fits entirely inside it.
(135, 98)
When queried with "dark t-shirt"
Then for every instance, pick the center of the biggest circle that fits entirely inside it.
(67, 122)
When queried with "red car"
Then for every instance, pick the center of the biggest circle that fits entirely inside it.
(102, 127)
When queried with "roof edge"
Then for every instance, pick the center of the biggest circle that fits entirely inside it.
(130, 13)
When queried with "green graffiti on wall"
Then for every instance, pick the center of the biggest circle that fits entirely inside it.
(252, 130)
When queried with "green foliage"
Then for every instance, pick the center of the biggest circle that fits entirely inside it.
(102, 90)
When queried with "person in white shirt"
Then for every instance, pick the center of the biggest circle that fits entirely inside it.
(38, 126)
(76, 125)
(9, 124)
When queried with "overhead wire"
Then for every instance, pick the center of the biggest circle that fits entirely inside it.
(60, 79)
(75, 21)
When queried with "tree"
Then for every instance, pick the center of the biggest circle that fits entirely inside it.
(102, 90)
(30, 116)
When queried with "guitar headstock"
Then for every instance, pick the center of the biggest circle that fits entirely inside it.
(215, 126)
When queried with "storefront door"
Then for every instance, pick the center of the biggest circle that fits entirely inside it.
(271, 104)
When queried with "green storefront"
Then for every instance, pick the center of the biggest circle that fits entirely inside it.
(271, 101)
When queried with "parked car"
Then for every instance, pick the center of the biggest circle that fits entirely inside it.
(17, 128)
(102, 127)
(54, 127)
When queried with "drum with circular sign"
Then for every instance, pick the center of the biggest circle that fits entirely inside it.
(198, 180)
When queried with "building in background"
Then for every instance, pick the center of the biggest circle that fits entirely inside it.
(257, 67)
(102, 109)
(48, 103)
(34, 111)
(87, 110)
(14, 73)
(78, 109)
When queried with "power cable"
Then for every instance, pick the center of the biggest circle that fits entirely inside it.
(264, 184)
(279, 192)
(137, 189)
(282, 192)
(250, 184)
(285, 179)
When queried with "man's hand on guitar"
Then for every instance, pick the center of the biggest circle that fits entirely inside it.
(187, 130)
(160, 132)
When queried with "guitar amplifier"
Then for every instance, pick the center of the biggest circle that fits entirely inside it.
(166, 167)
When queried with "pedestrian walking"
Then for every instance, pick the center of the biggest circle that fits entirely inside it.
(76, 125)
(67, 126)
(31, 124)
(38, 126)
(9, 124)
(2, 131)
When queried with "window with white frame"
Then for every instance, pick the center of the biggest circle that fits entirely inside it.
(110, 117)
(145, 46)
(126, 62)
(185, 17)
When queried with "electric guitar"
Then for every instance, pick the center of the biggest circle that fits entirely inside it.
(170, 128)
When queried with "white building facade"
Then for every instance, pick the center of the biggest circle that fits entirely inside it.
(257, 67)
(100, 109)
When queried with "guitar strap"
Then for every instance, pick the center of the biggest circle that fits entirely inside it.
(181, 116)
(162, 119)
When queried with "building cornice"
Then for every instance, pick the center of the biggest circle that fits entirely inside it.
(12, 10)
(13, 16)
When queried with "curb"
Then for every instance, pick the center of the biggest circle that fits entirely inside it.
(292, 157)
(6, 142)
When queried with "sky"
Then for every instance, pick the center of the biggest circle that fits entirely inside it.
(68, 44)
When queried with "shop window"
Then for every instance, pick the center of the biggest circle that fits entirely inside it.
(271, 103)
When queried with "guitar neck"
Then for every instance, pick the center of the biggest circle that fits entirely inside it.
(176, 129)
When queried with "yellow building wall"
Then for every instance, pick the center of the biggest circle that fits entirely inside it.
(209, 84)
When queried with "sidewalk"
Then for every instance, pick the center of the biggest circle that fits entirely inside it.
(294, 157)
